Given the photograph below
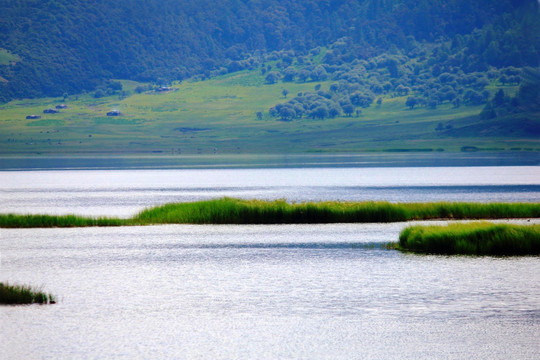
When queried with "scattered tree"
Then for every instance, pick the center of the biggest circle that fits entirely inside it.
(272, 77)
(411, 102)
(348, 109)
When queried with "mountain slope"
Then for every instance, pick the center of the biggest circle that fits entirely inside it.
(67, 46)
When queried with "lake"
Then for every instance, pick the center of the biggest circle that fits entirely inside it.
(125, 192)
(261, 291)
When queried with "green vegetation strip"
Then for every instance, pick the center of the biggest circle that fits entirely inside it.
(23, 294)
(50, 221)
(478, 238)
(237, 211)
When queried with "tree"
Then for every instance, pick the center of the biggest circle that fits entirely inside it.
(348, 109)
(140, 89)
(392, 66)
(287, 113)
(115, 85)
(411, 102)
(259, 115)
(320, 112)
(488, 112)
(474, 97)
(529, 91)
(499, 98)
(334, 110)
(361, 99)
(289, 74)
(319, 74)
(303, 75)
(272, 77)
(285, 92)
(402, 90)
(99, 93)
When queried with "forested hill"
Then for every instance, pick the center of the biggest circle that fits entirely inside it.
(52, 47)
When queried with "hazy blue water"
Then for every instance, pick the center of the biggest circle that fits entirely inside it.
(125, 192)
(261, 292)
(227, 292)
(164, 161)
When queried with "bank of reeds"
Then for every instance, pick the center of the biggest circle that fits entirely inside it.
(477, 238)
(238, 211)
(49, 221)
(23, 294)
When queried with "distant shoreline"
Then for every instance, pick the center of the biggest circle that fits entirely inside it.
(28, 162)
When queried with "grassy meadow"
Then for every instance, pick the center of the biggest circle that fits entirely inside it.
(7, 57)
(238, 211)
(218, 116)
(477, 238)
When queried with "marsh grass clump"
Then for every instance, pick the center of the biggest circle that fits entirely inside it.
(23, 294)
(237, 211)
(49, 221)
(478, 238)
(462, 210)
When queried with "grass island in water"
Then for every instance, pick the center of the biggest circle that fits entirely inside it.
(477, 238)
(238, 211)
(23, 294)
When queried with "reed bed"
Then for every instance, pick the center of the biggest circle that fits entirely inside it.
(49, 221)
(23, 294)
(477, 238)
(235, 211)
(238, 211)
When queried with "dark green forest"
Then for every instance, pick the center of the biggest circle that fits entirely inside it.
(437, 50)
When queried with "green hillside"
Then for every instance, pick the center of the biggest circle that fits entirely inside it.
(68, 46)
(220, 116)
(289, 76)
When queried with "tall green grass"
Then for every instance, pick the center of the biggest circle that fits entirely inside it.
(49, 221)
(23, 294)
(478, 238)
(237, 211)
(463, 211)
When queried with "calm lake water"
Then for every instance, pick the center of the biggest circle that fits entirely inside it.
(126, 192)
(261, 292)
